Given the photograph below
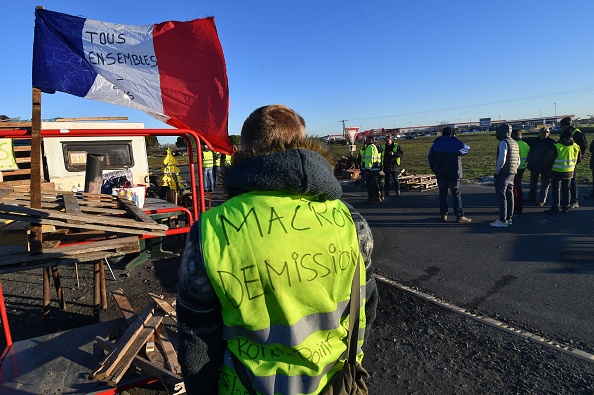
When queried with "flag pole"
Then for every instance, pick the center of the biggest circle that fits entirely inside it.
(35, 237)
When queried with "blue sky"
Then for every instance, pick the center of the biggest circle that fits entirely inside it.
(374, 63)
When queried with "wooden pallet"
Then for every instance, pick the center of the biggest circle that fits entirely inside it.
(79, 211)
(418, 182)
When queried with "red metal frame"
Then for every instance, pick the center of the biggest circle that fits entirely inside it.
(5, 327)
(187, 134)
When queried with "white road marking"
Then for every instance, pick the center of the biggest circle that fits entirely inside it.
(492, 322)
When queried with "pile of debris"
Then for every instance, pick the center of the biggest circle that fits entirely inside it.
(147, 345)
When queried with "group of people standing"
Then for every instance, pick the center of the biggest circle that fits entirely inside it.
(553, 162)
(380, 166)
(211, 162)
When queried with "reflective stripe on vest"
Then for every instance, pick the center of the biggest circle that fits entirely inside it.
(524, 149)
(207, 159)
(282, 267)
(566, 158)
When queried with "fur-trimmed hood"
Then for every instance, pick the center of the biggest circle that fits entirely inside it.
(302, 167)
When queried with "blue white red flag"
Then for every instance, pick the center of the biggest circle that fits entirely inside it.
(173, 71)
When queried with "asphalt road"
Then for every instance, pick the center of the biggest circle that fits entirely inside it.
(538, 273)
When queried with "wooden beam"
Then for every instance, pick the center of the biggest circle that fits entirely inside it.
(36, 238)
(146, 366)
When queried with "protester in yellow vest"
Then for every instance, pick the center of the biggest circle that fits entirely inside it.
(564, 156)
(266, 276)
(215, 167)
(373, 159)
(207, 165)
(518, 193)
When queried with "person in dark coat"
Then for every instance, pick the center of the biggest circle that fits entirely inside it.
(444, 161)
(392, 154)
(539, 146)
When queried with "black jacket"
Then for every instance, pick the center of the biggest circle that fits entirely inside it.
(538, 153)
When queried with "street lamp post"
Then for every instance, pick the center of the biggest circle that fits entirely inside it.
(555, 112)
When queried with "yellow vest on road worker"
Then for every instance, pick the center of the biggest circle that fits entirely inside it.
(282, 267)
(524, 149)
(372, 156)
(207, 159)
(567, 157)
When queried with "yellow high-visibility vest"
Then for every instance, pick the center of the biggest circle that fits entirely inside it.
(282, 267)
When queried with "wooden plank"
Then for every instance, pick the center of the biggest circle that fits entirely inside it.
(71, 206)
(5, 192)
(114, 366)
(146, 366)
(46, 216)
(164, 305)
(106, 367)
(124, 305)
(53, 239)
(168, 350)
(135, 346)
(20, 172)
(119, 244)
(67, 260)
(22, 148)
(138, 213)
(137, 230)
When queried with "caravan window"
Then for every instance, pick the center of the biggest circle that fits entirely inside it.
(118, 154)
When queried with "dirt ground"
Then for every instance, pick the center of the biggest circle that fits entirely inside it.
(416, 347)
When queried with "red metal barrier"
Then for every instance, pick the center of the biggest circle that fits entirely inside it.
(5, 327)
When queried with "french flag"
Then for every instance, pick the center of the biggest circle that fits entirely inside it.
(173, 71)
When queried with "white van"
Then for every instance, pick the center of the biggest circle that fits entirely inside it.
(65, 157)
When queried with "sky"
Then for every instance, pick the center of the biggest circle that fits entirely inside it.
(371, 64)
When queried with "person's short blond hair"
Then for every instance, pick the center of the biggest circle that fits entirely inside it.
(271, 126)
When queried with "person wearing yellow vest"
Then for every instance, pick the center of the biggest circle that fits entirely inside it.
(373, 159)
(265, 279)
(518, 193)
(215, 166)
(564, 156)
(207, 165)
(362, 167)
(579, 138)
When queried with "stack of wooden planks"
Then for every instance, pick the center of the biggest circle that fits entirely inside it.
(148, 344)
(417, 182)
(98, 226)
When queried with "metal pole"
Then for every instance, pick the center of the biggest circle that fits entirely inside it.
(93, 173)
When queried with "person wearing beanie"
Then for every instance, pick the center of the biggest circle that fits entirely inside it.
(444, 161)
(580, 139)
(508, 160)
(524, 152)
(268, 273)
(564, 156)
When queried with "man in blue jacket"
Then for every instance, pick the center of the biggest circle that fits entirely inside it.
(444, 160)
